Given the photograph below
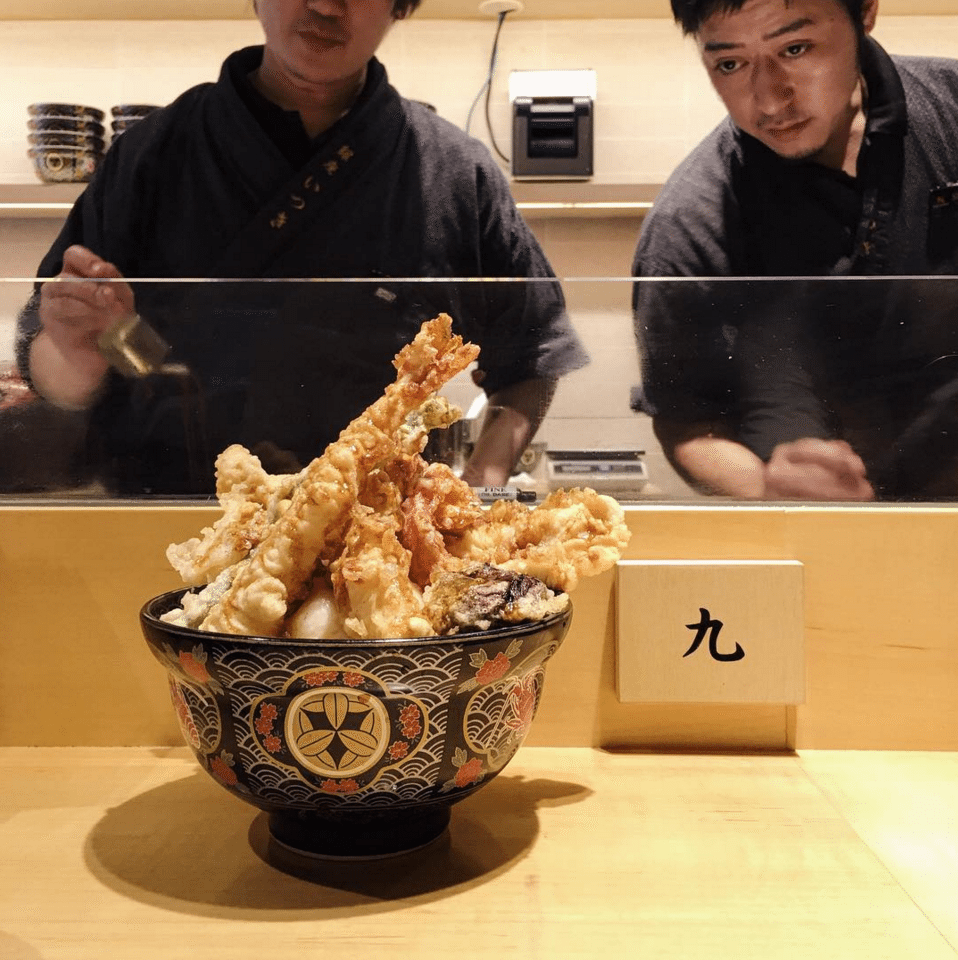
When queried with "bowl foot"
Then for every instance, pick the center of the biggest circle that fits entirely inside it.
(370, 837)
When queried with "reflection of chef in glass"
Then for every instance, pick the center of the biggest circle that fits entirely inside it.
(300, 161)
(823, 167)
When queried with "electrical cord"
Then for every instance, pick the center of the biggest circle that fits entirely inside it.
(486, 88)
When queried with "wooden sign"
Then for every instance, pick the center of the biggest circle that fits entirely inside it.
(707, 631)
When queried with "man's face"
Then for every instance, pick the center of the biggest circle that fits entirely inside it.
(314, 42)
(788, 73)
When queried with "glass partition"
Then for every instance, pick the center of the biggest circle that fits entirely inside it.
(282, 365)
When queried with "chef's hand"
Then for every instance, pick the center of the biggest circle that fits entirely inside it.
(65, 362)
(513, 415)
(812, 469)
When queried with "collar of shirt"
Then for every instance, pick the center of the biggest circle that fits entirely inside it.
(285, 127)
(887, 113)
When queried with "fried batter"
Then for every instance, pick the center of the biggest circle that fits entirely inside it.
(370, 541)
(311, 530)
(441, 507)
(571, 534)
(371, 580)
(251, 500)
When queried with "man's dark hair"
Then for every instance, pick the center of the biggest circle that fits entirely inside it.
(691, 14)
(402, 8)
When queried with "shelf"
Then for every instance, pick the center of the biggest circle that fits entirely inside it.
(548, 199)
(43, 200)
(430, 10)
(536, 199)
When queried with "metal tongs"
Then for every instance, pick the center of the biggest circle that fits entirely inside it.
(135, 349)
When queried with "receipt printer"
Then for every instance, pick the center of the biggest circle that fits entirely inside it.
(552, 114)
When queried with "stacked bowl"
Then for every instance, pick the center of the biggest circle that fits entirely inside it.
(125, 115)
(66, 141)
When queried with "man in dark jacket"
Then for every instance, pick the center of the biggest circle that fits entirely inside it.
(301, 161)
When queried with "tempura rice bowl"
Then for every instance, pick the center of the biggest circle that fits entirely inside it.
(354, 748)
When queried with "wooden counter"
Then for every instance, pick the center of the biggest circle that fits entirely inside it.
(136, 854)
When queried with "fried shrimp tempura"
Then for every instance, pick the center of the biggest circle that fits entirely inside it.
(371, 579)
(310, 531)
(440, 507)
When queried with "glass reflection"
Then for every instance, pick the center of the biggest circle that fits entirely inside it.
(813, 389)
(871, 363)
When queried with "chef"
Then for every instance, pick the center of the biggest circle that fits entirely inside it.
(836, 160)
(300, 161)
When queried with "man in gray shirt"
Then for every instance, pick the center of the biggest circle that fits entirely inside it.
(835, 161)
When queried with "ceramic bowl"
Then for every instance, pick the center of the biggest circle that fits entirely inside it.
(73, 141)
(63, 164)
(118, 126)
(126, 111)
(65, 125)
(353, 748)
(76, 110)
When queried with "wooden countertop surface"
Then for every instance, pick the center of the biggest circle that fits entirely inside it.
(136, 854)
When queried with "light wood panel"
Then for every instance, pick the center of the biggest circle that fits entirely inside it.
(567, 854)
(745, 644)
(882, 651)
(880, 604)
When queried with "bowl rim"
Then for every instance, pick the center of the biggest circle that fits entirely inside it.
(56, 108)
(149, 616)
(34, 124)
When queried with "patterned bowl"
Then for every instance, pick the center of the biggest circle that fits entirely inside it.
(123, 123)
(77, 110)
(64, 164)
(66, 124)
(354, 748)
(130, 111)
(74, 141)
